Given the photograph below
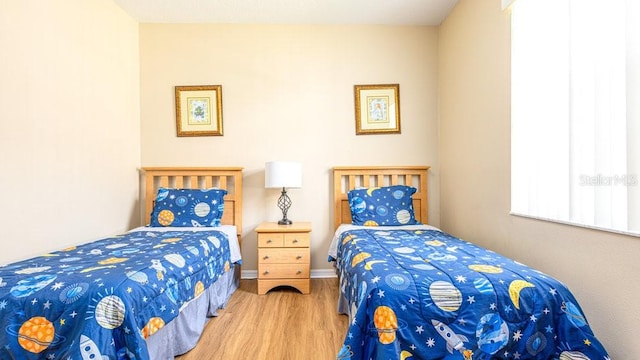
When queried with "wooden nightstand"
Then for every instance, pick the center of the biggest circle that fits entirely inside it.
(283, 256)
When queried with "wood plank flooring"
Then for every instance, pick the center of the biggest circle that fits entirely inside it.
(281, 325)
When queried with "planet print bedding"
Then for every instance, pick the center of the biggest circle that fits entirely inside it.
(420, 293)
(103, 299)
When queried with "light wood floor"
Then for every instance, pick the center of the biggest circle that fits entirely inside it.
(281, 325)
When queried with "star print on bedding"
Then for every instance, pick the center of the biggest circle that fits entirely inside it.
(425, 294)
(103, 299)
(188, 207)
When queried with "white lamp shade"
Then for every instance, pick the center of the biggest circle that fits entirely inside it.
(283, 174)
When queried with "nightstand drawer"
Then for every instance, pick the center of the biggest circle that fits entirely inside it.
(296, 239)
(284, 256)
(283, 271)
(271, 239)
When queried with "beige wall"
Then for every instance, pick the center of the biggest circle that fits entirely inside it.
(288, 95)
(69, 116)
(600, 268)
(69, 123)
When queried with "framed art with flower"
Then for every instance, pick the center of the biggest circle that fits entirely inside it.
(199, 110)
(377, 109)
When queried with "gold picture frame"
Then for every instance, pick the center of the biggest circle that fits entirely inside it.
(377, 109)
(199, 110)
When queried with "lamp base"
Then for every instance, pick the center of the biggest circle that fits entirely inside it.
(284, 203)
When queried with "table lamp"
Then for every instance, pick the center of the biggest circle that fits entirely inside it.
(283, 174)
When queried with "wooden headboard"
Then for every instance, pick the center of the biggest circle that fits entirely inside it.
(346, 178)
(228, 178)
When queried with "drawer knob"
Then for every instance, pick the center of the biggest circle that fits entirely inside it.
(269, 241)
(299, 257)
(299, 272)
(266, 257)
(266, 272)
(295, 241)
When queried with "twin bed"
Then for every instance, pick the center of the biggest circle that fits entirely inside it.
(414, 292)
(411, 290)
(145, 294)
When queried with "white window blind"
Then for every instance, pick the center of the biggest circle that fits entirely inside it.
(575, 94)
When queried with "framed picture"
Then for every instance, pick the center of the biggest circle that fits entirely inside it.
(199, 110)
(377, 109)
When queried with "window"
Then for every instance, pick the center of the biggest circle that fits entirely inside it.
(575, 112)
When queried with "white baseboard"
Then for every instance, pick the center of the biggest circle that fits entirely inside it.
(315, 274)
(249, 274)
(323, 273)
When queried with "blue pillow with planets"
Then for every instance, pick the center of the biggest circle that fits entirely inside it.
(188, 207)
(382, 206)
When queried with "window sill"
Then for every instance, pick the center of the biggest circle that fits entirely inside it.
(591, 227)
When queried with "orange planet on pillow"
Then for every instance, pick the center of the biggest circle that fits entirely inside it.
(166, 217)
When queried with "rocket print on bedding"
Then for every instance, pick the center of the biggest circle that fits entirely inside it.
(103, 299)
(424, 294)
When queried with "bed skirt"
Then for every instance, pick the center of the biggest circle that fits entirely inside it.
(182, 334)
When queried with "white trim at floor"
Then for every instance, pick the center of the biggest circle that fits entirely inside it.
(315, 274)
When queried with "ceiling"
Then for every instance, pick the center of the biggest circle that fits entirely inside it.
(380, 12)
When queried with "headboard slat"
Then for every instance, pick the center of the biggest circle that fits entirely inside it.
(345, 176)
(352, 182)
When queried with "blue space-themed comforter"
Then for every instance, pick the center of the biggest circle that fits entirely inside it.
(424, 294)
(101, 300)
